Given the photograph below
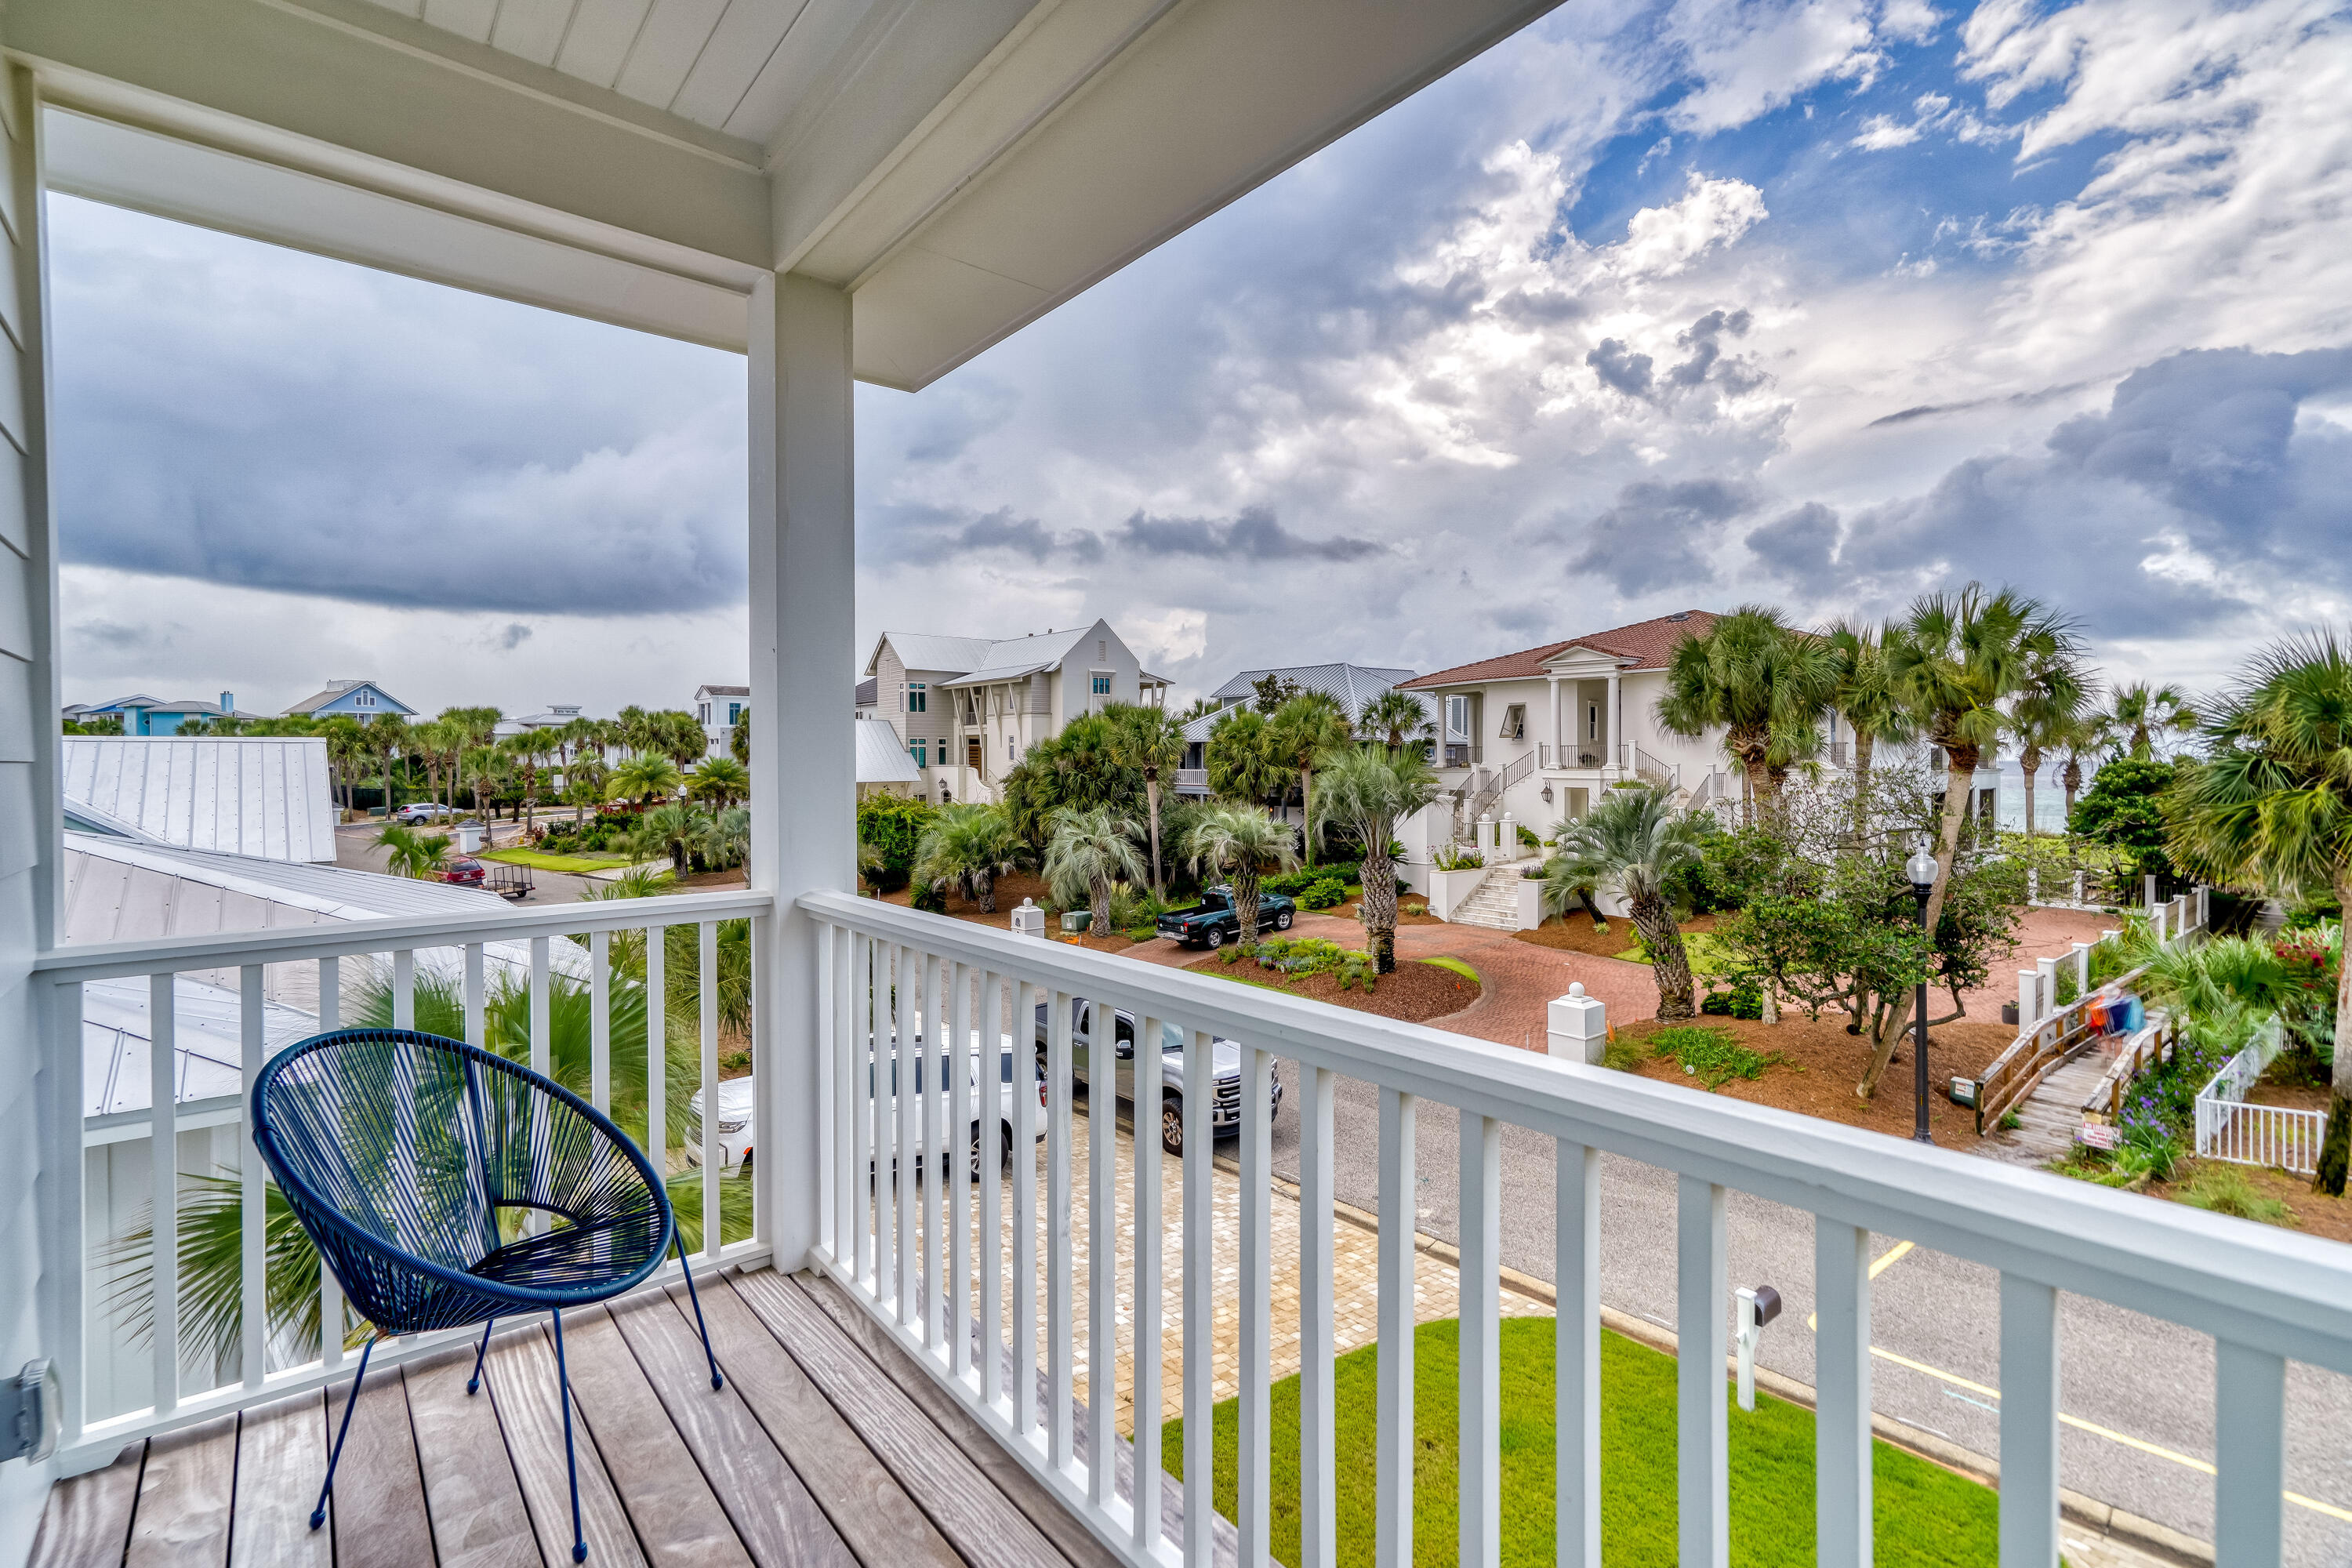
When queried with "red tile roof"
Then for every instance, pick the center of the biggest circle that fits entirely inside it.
(1645, 645)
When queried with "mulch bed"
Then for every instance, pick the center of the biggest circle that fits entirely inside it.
(1574, 933)
(1823, 1063)
(2316, 1212)
(1413, 909)
(1416, 994)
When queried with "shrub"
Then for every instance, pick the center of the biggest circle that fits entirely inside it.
(1299, 882)
(2224, 1189)
(1713, 1056)
(1323, 894)
(893, 824)
(1528, 839)
(1453, 857)
(1307, 955)
(1743, 999)
(2123, 810)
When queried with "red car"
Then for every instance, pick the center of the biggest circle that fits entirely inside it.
(466, 873)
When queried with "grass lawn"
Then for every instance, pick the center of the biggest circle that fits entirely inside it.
(1928, 1515)
(578, 865)
(1704, 949)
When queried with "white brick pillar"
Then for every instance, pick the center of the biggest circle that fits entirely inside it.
(1577, 1026)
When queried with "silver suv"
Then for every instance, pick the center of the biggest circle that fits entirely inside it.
(1224, 1061)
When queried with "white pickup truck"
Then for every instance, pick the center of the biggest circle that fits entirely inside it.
(1225, 1060)
(734, 1128)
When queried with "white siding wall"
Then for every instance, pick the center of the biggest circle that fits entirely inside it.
(29, 824)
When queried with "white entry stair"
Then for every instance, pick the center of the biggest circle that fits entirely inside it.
(1495, 902)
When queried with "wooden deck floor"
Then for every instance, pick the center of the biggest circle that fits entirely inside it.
(826, 1447)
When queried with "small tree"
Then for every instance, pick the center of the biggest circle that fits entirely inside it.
(1762, 683)
(1272, 689)
(1149, 741)
(1306, 728)
(1244, 843)
(1633, 841)
(2271, 809)
(1243, 766)
(1088, 852)
(2124, 809)
(1368, 790)
(970, 846)
(645, 778)
(1397, 719)
(412, 853)
(2142, 711)
(2045, 714)
(720, 780)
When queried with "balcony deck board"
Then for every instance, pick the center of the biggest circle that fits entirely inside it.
(788, 1465)
(479, 1518)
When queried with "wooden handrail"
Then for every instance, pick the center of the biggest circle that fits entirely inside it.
(2040, 1046)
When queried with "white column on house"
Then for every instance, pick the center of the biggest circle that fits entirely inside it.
(802, 602)
(1559, 735)
(1616, 756)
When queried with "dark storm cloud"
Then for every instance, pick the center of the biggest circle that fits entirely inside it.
(918, 535)
(1628, 373)
(2204, 448)
(275, 421)
(513, 636)
(1658, 533)
(1799, 543)
(1255, 534)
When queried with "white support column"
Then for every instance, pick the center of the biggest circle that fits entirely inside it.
(1559, 732)
(803, 825)
(1614, 757)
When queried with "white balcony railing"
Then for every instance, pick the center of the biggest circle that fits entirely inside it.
(905, 1252)
(205, 1043)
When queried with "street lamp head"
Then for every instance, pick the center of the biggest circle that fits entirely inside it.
(1920, 868)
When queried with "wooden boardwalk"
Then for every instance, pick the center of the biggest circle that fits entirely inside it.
(828, 1445)
(2053, 1110)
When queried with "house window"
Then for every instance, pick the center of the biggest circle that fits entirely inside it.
(734, 714)
(1008, 748)
(702, 712)
(1457, 716)
(1515, 722)
(1102, 683)
(918, 696)
(920, 751)
(944, 751)
(364, 700)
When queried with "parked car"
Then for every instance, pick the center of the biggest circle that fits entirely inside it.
(734, 1126)
(423, 811)
(466, 873)
(1224, 1063)
(1213, 921)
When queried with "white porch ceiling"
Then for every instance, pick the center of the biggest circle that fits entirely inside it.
(960, 166)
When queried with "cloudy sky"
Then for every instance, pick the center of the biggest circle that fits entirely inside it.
(1649, 308)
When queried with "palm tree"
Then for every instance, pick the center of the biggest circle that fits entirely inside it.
(720, 780)
(528, 750)
(1864, 695)
(1302, 730)
(1151, 741)
(1397, 719)
(387, 738)
(1635, 841)
(2093, 734)
(480, 768)
(1201, 708)
(2140, 708)
(970, 844)
(1087, 852)
(346, 740)
(644, 777)
(1368, 790)
(1242, 764)
(412, 853)
(673, 829)
(1957, 659)
(2271, 809)
(727, 840)
(2045, 713)
(871, 863)
(1763, 683)
(1244, 842)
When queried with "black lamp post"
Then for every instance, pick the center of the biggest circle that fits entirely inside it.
(1921, 870)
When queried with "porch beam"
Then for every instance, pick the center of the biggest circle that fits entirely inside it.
(803, 654)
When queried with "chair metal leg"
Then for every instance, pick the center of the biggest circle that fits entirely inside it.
(688, 1269)
(319, 1514)
(571, 1461)
(474, 1383)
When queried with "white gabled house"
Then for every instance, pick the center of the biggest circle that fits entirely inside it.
(718, 708)
(967, 709)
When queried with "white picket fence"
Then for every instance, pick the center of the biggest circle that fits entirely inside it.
(2268, 1135)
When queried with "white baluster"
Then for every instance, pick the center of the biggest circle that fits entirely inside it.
(600, 1011)
(163, 1154)
(1102, 1251)
(475, 1001)
(993, 1152)
(939, 1149)
(1061, 1439)
(1702, 1451)
(252, 1222)
(1149, 1345)
(961, 1065)
(1024, 1214)
(1479, 1312)
(1392, 1513)
(404, 990)
(1576, 1356)
(2029, 1424)
(838, 966)
(657, 1049)
(1199, 1305)
(706, 974)
(1256, 1424)
(888, 1007)
(1319, 1534)
(1841, 1454)
(907, 1103)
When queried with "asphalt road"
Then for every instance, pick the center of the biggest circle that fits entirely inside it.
(2138, 1391)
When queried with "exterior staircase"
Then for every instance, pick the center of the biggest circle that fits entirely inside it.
(1495, 903)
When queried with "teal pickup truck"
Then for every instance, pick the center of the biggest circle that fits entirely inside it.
(1213, 921)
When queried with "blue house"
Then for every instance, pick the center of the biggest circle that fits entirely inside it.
(362, 700)
(145, 715)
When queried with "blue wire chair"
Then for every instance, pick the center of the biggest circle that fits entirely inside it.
(418, 1164)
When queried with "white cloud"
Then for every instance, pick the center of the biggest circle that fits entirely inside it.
(1751, 59)
(1662, 241)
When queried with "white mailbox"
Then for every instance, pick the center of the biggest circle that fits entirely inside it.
(1029, 920)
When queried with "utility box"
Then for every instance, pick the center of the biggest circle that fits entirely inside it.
(1029, 920)
(1078, 920)
(1577, 1026)
(470, 838)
